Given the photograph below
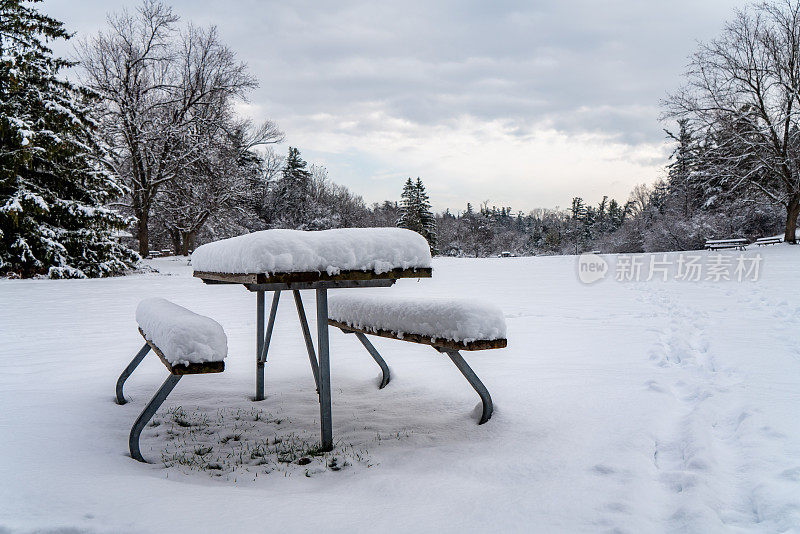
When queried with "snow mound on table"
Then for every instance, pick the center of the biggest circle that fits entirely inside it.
(459, 320)
(290, 251)
(183, 336)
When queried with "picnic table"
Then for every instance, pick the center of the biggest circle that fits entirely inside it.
(292, 260)
(721, 244)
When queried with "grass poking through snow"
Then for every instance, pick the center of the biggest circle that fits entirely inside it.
(235, 443)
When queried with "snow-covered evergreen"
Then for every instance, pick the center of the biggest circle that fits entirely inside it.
(52, 188)
(292, 191)
(415, 212)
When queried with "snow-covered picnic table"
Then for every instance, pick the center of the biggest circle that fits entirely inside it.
(278, 260)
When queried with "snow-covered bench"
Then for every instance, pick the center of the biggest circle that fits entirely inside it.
(448, 325)
(721, 244)
(768, 241)
(185, 342)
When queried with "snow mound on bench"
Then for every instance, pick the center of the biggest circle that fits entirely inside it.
(291, 251)
(183, 336)
(459, 320)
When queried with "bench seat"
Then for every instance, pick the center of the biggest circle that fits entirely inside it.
(181, 337)
(197, 368)
(448, 325)
(457, 324)
(185, 342)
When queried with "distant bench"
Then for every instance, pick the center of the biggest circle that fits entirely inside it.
(719, 244)
(185, 342)
(769, 241)
(449, 326)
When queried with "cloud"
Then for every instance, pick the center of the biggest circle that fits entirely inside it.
(466, 159)
(526, 102)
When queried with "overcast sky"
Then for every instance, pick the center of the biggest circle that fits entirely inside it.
(523, 104)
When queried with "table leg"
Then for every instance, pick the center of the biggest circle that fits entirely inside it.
(312, 356)
(263, 347)
(259, 345)
(325, 415)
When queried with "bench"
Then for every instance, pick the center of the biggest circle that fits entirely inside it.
(185, 342)
(769, 241)
(719, 244)
(447, 325)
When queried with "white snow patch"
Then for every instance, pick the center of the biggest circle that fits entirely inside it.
(458, 320)
(619, 407)
(331, 251)
(182, 335)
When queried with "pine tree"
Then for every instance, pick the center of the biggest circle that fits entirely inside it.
(578, 221)
(427, 220)
(52, 188)
(408, 211)
(616, 215)
(293, 190)
(415, 212)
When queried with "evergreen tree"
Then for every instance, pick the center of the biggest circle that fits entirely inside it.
(293, 191)
(52, 189)
(616, 214)
(682, 167)
(408, 208)
(578, 221)
(415, 212)
(425, 216)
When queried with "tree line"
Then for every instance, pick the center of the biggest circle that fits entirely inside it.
(148, 141)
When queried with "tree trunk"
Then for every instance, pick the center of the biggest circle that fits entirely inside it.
(143, 236)
(792, 212)
(175, 237)
(188, 243)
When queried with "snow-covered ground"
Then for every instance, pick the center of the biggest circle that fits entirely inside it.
(619, 406)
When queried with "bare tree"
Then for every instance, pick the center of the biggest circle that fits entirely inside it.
(216, 180)
(160, 89)
(743, 93)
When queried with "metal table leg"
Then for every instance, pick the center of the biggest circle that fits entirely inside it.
(259, 345)
(128, 370)
(270, 325)
(325, 415)
(147, 413)
(312, 356)
(375, 356)
(262, 344)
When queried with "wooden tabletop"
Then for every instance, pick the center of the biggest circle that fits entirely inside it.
(310, 277)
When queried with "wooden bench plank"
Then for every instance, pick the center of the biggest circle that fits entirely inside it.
(313, 276)
(190, 369)
(480, 344)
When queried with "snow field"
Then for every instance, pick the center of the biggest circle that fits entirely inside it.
(619, 407)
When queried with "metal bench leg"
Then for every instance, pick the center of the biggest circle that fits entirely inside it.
(147, 414)
(475, 382)
(128, 370)
(325, 415)
(312, 356)
(262, 341)
(375, 356)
